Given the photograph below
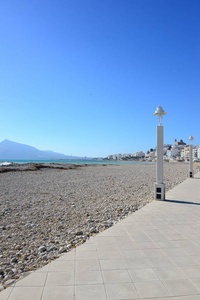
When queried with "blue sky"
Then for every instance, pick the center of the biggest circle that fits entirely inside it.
(85, 77)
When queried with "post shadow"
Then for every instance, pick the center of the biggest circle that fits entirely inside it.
(180, 202)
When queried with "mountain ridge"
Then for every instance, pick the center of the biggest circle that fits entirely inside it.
(14, 150)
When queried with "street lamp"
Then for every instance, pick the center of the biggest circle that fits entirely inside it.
(191, 173)
(159, 187)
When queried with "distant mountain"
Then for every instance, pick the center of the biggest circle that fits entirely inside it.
(13, 150)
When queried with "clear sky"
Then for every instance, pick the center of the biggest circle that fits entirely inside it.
(84, 77)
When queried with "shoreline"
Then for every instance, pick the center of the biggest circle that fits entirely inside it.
(52, 210)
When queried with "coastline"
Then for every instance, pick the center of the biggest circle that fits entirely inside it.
(50, 210)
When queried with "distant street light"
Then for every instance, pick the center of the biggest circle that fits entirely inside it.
(159, 186)
(191, 173)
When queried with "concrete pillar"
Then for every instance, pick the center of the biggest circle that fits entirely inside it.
(159, 185)
(191, 173)
(159, 164)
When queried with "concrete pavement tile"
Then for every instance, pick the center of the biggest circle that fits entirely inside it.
(106, 232)
(147, 245)
(182, 261)
(82, 255)
(192, 297)
(148, 227)
(89, 277)
(87, 265)
(109, 254)
(120, 231)
(34, 279)
(168, 244)
(4, 295)
(143, 275)
(136, 263)
(196, 258)
(87, 247)
(58, 293)
(90, 292)
(151, 289)
(43, 269)
(171, 252)
(158, 237)
(131, 253)
(169, 273)
(192, 250)
(121, 291)
(178, 287)
(112, 264)
(153, 253)
(176, 237)
(191, 271)
(60, 278)
(90, 241)
(24, 293)
(61, 266)
(127, 245)
(67, 256)
(196, 282)
(163, 298)
(159, 262)
(104, 240)
(123, 239)
(141, 238)
(116, 276)
(185, 244)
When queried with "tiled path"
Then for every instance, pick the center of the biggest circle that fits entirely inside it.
(152, 254)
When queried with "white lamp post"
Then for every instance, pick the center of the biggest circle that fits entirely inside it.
(159, 185)
(191, 173)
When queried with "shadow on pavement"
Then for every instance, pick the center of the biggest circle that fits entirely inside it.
(180, 202)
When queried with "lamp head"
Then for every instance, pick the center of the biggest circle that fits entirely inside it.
(191, 138)
(160, 113)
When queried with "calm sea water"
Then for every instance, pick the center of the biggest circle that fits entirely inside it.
(91, 162)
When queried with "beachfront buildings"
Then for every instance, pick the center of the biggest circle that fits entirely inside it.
(180, 151)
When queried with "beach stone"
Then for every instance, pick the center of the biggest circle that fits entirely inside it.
(93, 230)
(9, 282)
(79, 232)
(61, 250)
(7, 277)
(1, 288)
(14, 260)
(42, 248)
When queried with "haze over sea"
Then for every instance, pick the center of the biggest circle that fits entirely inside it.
(74, 161)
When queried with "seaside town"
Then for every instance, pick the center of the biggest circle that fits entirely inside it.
(180, 151)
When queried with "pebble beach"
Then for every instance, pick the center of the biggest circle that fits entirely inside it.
(47, 211)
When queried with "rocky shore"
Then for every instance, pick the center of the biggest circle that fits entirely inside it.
(46, 210)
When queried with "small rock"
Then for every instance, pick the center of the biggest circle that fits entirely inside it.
(93, 230)
(1, 288)
(79, 232)
(7, 277)
(44, 257)
(9, 282)
(61, 250)
(18, 247)
(42, 248)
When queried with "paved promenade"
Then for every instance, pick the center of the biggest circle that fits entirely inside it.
(152, 254)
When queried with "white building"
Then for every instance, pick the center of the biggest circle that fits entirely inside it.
(198, 152)
(140, 154)
(195, 153)
(152, 155)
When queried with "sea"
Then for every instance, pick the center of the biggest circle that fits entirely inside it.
(73, 161)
